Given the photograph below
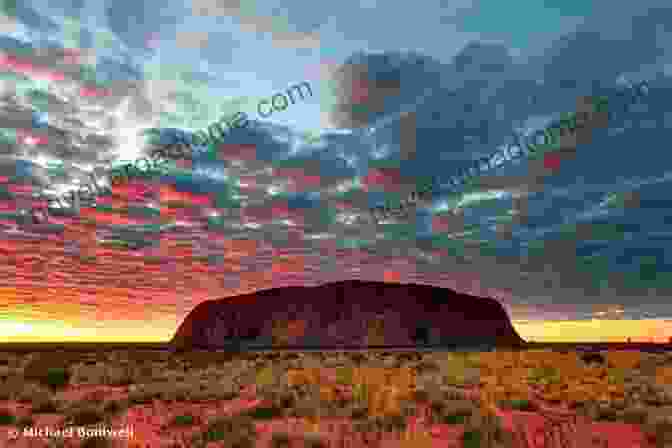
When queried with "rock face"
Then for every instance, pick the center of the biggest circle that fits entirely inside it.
(347, 315)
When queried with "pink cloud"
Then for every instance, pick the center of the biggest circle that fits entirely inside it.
(298, 178)
(552, 161)
(229, 151)
(93, 92)
(387, 179)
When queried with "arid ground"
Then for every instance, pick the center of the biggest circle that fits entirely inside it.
(529, 398)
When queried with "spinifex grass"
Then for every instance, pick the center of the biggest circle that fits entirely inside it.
(381, 390)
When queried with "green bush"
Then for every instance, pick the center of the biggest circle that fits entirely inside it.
(519, 405)
(57, 377)
(472, 439)
(455, 419)
(6, 417)
(238, 430)
(265, 412)
(183, 420)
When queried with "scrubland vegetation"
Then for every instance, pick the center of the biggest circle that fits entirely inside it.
(319, 399)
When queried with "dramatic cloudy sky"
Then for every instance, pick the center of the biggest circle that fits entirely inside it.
(576, 245)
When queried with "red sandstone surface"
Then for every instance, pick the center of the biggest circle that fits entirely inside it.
(349, 314)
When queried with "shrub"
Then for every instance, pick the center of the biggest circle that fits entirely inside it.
(265, 377)
(359, 412)
(616, 376)
(228, 395)
(421, 396)
(183, 420)
(239, 431)
(25, 421)
(9, 388)
(285, 400)
(31, 391)
(45, 368)
(179, 392)
(589, 358)
(118, 376)
(544, 375)
(314, 441)
(455, 419)
(472, 439)
(45, 406)
(428, 366)
(519, 405)
(113, 406)
(94, 374)
(344, 375)
(145, 393)
(437, 406)
(86, 415)
(265, 412)
(96, 442)
(6, 417)
(393, 423)
(280, 440)
(57, 443)
(360, 393)
(57, 377)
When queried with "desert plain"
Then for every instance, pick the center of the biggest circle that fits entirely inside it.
(528, 398)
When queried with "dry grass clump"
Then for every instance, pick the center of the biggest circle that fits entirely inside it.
(88, 374)
(314, 441)
(51, 369)
(193, 390)
(381, 390)
(454, 412)
(25, 421)
(145, 373)
(202, 359)
(41, 372)
(82, 414)
(115, 406)
(96, 442)
(29, 392)
(178, 392)
(11, 387)
(118, 376)
(281, 440)
(46, 406)
(146, 392)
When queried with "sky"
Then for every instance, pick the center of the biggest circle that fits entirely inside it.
(575, 250)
